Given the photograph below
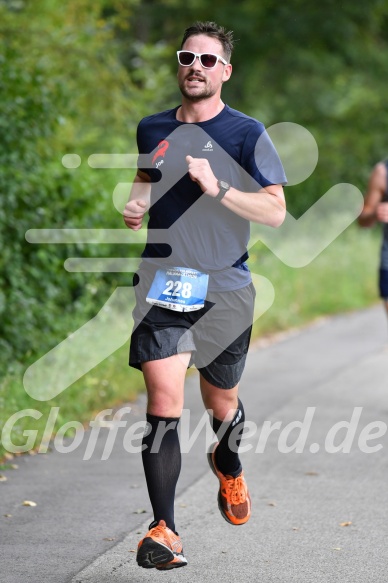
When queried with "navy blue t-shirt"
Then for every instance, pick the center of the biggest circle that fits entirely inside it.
(186, 227)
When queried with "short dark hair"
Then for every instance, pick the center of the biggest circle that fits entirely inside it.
(213, 30)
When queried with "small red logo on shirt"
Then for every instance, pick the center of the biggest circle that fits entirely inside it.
(162, 149)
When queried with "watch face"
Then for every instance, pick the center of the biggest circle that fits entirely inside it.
(223, 184)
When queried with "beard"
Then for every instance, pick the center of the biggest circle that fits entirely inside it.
(203, 91)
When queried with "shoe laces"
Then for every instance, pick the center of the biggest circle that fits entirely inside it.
(159, 531)
(236, 491)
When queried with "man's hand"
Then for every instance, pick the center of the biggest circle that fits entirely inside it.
(133, 213)
(201, 172)
(382, 212)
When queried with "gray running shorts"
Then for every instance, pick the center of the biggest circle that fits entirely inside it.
(217, 336)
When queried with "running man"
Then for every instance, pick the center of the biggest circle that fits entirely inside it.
(205, 171)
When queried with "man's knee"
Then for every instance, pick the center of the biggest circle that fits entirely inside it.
(164, 381)
(221, 403)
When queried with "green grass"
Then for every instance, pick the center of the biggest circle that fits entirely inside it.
(342, 278)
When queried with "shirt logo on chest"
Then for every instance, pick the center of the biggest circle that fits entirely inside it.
(160, 152)
(208, 147)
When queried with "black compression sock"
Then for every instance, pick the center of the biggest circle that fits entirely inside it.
(227, 459)
(162, 465)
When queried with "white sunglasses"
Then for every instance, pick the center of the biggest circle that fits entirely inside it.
(207, 60)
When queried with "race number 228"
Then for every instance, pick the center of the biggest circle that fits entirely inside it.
(175, 289)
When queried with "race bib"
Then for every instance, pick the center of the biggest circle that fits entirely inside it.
(178, 288)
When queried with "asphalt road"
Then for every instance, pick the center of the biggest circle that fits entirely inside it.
(319, 514)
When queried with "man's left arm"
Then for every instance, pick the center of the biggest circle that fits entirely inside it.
(266, 206)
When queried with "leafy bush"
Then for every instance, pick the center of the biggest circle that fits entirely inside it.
(36, 293)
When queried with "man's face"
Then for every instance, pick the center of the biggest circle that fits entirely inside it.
(195, 82)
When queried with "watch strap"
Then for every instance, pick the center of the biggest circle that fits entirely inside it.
(223, 190)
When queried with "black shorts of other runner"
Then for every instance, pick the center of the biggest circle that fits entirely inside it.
(383, 284)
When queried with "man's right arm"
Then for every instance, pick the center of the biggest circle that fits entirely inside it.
(375, 210)
(139, 201)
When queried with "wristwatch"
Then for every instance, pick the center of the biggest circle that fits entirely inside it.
(224, 187)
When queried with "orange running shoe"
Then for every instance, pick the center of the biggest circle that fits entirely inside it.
(160, 548)
(234, 500)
